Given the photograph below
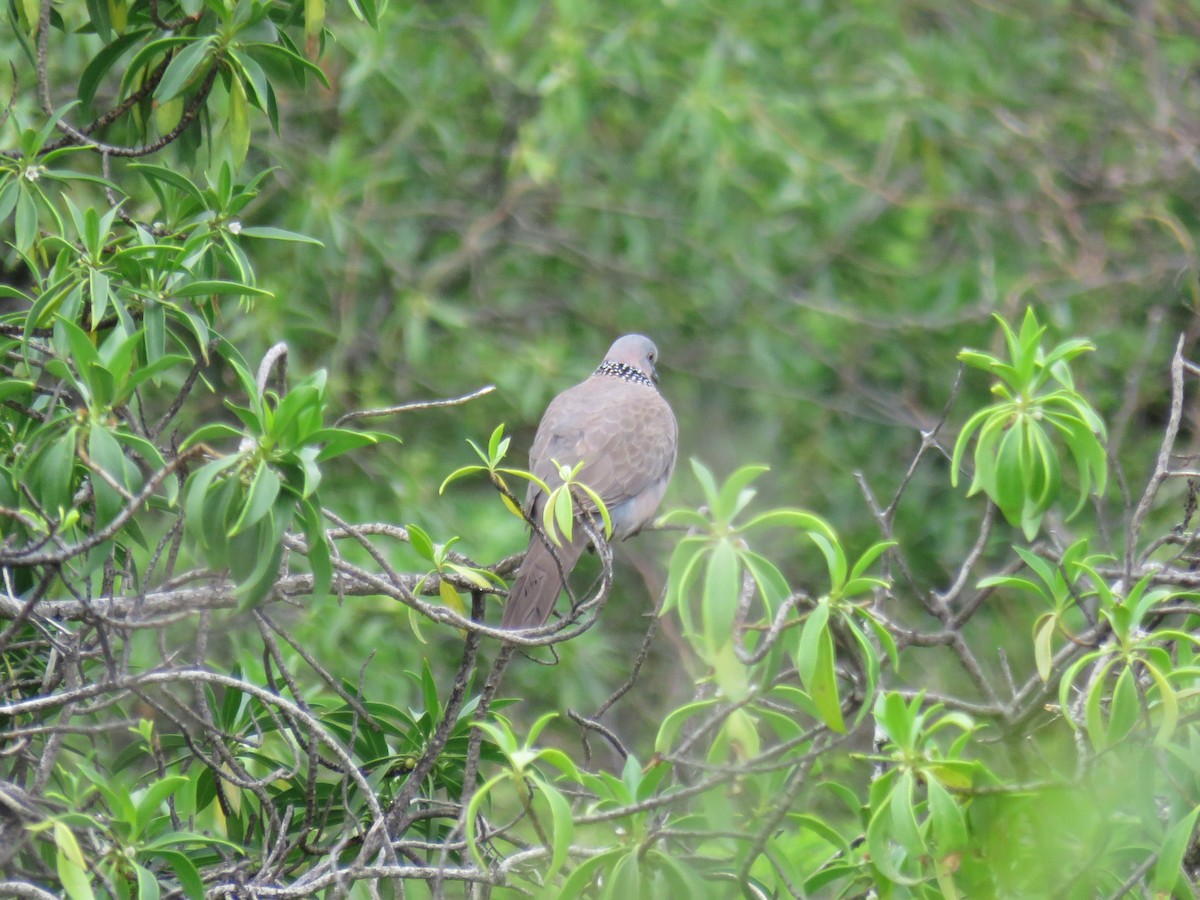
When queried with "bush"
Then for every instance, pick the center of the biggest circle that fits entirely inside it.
(943, 693)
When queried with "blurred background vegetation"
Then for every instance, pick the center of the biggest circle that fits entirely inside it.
(809, 206)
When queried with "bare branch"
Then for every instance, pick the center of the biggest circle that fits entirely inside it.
(1163, 464)
(420, 404)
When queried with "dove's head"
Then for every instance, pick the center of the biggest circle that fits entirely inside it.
(635, 350)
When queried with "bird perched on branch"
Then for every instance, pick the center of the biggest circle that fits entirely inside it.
(619, 426)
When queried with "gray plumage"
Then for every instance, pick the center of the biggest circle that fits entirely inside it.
(623, 430)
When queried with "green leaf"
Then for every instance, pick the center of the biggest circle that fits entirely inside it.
(314, 18)
(367, 10)
(686, 518)
(311, 472)
(209, 529)
(869, 556)
(1125, 707)
(262, 547)
(681, 880)
(282, 55)
(963, 441)
(772, 586)
(807, 652)
(823, 688)
(562, 826)
(60, 298)
(72, 871)
(1046, 467)
(946, 818)
(99, 291)
(187, 838)
(420, 541)
(815, 663)
(264, 490)
(870, 659)
(429, 692)
(172, 178)
(720, 599)
(708, 484)
(599, 505)
(1010, 473)
(560, 761)
(150, 371)
(214, 288)
(320, 558)
(625, 883)
(147, 806)
(1167, 871)
(497, 444)
(887, 641)
(268, 232)
(68, 847)
(237, 124)
(53, 472)
(793, 518)
(451, 597)
(8, 201)
(1043, 569)
(147, 884)
(106, 453)
(185, 870)
(1093, 717)
(337, 441)
(896, 719)
(11, 388)
(881, 846)
(457, 474)
(977, 359)
(75, 343)
(585, 873)
(651, 778)
(473, 815)
(741, 730)
(26, 221)
(682, 570)
(182, 68)
(904, 819)
(102, 62)
(734, 494)
(560, 515)
(212, 432)
(819, 827)
(1043, 648)
(675, 720)
(729, 672)
(1168, 704)
(835, 560)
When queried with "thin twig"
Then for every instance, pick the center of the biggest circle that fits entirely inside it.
(1163, 464)
(409, 407)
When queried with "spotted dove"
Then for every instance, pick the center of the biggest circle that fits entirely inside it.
(618, 424)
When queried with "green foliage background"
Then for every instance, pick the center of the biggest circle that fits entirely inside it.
(811, 207)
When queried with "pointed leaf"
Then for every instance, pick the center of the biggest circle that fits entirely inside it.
(720, 599)
(1043, 648)
(1167, 871)
(182, 68)
(264, 490)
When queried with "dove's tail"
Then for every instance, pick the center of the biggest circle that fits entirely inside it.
(539, 581)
